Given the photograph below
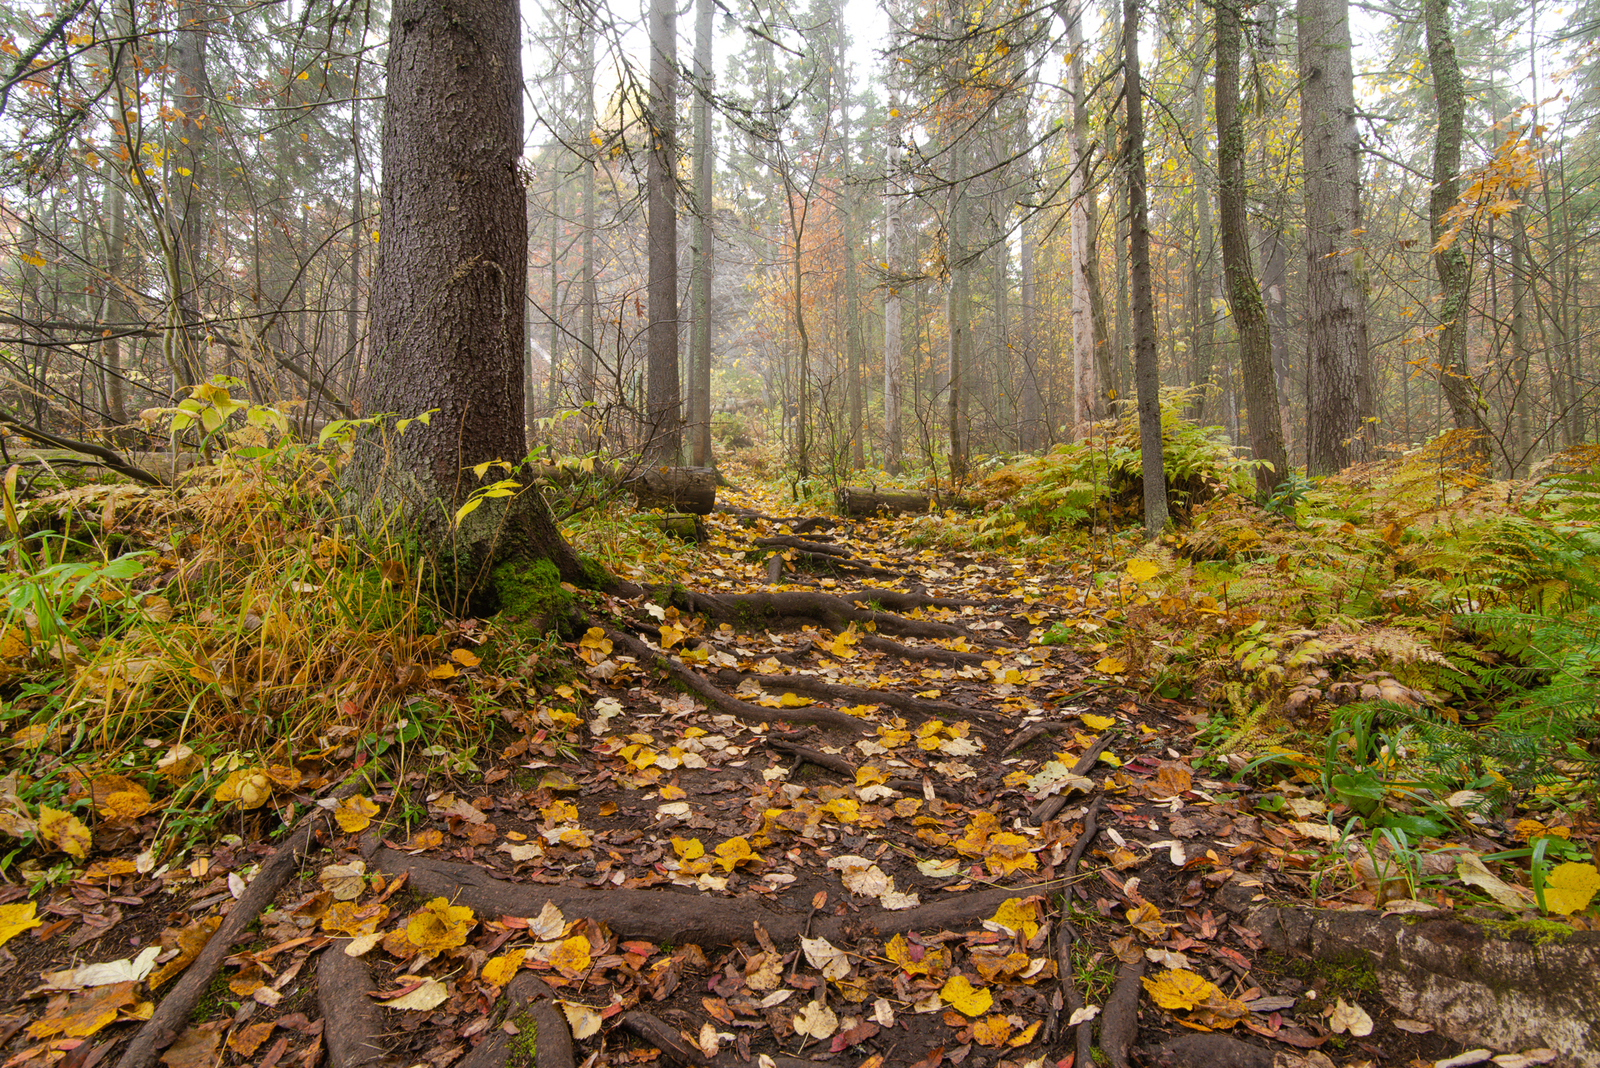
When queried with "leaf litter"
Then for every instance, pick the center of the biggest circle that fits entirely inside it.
(620, 782)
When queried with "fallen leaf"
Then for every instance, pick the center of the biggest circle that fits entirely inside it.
(190, 941)
(1473, 872)
(89, 1011)
(355, 813)
(1349, 1018)
(1083, 1015)
(991, 1031)
(831, 962)
(584, 1021)
(106, 974)
(439, 925)
(246, 1040)
(64, 831)
(1570, 887)
(429, 994)
(195, 1048)
(14, 919)
(572, 956)
(497, 971)
(816, 1020)
(344, 881)
(971, 1001)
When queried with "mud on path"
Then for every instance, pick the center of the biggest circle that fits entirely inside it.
(833, 801)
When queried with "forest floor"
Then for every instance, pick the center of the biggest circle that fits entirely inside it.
(846, 808)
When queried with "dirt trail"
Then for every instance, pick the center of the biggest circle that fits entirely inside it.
(843, 807)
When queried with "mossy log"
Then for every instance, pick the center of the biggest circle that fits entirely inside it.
(675, 489)
(683, 527)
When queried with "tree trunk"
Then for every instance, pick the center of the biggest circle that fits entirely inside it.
(1146, 373)
(1202, 337)
(1087, 386)
(1338, 364)
(957, 321)
(589, 357)
(1467, 405)
(1244, 297)
(700, 343)
(448, 292)
(662, 401)
(893, 384)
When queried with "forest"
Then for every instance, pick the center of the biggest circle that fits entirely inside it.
(551, 535)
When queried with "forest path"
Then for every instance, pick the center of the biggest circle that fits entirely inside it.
(847, 807)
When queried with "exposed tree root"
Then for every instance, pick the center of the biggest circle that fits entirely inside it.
(1048, 808)
(528, 1007)
(931, 653)
(353, 1023)
(1119, 1022)
(860, 695)
(172, 1015)
(727, 703)
(1215, 1050)
(762, 609)
(675, 1047)
(805, 755)
(669, 916)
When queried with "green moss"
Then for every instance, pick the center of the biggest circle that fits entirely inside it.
(530, 592)
(1540, 932)
(217, 1000)
(523, 1050)
(595, 575)
(1347, 975)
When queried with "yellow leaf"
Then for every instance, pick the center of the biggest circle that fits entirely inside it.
(584, 1021)
(355, 813)
(1111, 665)
(931, 961)
(1096, 723)
(14, 919)
(1023, 1037)
(302, 76)
(1180, 989)
(1143, 570)
(671, 635)
(444, 671)
(64, 831)
(965, 998)
(688, 849)
(31, 258)
(1570, 887)
(353, 920)
(91, 1010)
(191, 940)
(248, 787)
(465, 657)
(439, 925)
(733, 852)
(497, 971)
(572, 956)
(1019, 915)
(790, 700)
(991, 1030)
(1146, 919)
(1009, 852)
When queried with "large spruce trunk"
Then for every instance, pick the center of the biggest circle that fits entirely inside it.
(449, 292)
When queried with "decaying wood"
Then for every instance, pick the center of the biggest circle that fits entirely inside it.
(1047, 808)
(674, 489)
(684, 527)
(865, 503)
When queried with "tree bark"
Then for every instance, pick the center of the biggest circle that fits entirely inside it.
(700, 342)
(957, 322)
(449, 287)
(1244, 296)
(662, 402)
(1467, 405)
(1087, 386)
(1146, 372)
(1340, 382)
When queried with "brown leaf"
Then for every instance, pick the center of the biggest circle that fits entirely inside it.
(195, 1048)
(246, 1040)
(189, 942)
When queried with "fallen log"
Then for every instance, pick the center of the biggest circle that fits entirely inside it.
(683, 527)
(858, 503)
(674, 489)
(864, 503)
